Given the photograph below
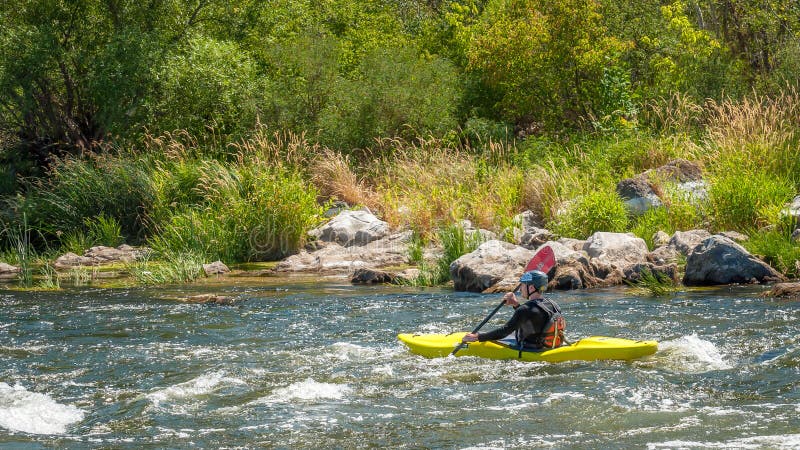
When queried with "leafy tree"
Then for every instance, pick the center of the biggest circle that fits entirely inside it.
(210, 83)
(544, 60)
(394, 93)
(73, 72)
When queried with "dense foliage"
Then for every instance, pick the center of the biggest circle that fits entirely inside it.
(152, 122)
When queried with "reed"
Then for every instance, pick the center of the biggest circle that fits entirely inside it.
(653, 284)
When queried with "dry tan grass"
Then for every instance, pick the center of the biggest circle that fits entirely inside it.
(676, 114)
(277, 148)
(332, 175)
(766, 120)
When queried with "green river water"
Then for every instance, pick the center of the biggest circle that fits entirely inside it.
(300, 365)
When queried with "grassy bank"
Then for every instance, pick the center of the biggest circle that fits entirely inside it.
(195, 200)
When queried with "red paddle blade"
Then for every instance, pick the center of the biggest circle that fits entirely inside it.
(543, 260)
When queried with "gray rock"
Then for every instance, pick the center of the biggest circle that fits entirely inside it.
(534, 237)
(735, 236)
(336, 259)
(660, 238)
(101, 255)
(685, 241)
(572, 244)
(215, 268)
(638, 195)
(352, 228)
(7, 271)
(616, 249)
(678, 170)
(719, 260)
(491, 263)
(663, 255)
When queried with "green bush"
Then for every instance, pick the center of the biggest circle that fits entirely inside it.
(248, 212)
(744, 199)
(679, 212)
(209, 83)
(455, 243)
(600, 210)
(777, 249)
(395, 93)
(104, 230)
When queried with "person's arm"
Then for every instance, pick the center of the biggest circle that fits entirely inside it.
(503, 331)
(510, 299)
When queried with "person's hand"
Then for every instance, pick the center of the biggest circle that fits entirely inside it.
(511, 299)
(469, 337)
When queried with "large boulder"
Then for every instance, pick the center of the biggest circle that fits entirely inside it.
(685, 242)
(352, 228)
(641, 192)
(719, 260)
(493, 262)
(638, 195)
(334, 258)
(7, 271)
(617, 249)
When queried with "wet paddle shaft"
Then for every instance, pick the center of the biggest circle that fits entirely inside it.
(543, 260)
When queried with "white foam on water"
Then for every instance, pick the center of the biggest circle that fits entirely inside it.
(192, 389)
(783, 441)
(307, 391)
(35, 413)
(347, 352)
(555, 397)
(692, 354)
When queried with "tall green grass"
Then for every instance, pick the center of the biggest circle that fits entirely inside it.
(244, 212)
(744, 199)
(77, 190)
(455, 242)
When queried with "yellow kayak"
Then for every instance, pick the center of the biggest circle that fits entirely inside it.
(586, 349)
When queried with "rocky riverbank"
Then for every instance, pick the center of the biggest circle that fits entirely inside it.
(356, 244)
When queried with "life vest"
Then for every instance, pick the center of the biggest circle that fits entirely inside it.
(551, 335)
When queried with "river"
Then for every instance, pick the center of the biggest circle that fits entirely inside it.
(317, 365)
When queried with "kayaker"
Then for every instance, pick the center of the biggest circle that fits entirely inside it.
(537, 323)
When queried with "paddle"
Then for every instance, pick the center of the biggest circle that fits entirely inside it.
(543, 260)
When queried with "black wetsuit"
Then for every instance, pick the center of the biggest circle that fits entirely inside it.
(527, 311)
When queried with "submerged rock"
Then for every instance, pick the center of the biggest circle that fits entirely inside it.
(784, 290)
(372, 276)
(209, 299)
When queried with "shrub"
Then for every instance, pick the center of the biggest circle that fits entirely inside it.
(777, 249)
(247, 212)
(208, 82)
(395, 93)
(679, 212)
(600, 210)
(455, 243)
(743, 200)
